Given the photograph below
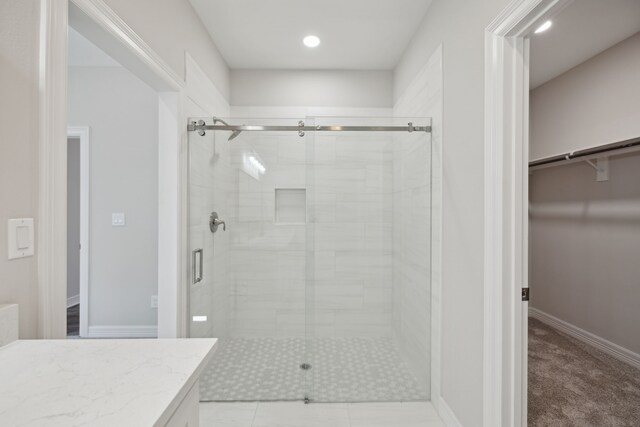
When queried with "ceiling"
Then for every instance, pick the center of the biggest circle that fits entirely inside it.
(355, 34)
(581, 31)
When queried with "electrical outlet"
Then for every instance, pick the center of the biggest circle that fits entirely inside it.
(118, 219)
(154, 301)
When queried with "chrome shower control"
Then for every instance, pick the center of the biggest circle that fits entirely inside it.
(215, 221)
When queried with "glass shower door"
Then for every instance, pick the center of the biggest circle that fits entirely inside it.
(368, 262)
(208, 255)
(318, 283)
(252, 292)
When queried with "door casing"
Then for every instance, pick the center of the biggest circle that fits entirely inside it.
(506, 209)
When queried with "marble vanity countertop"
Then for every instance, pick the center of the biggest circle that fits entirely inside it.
(132, 382)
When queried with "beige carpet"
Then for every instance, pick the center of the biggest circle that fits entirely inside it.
(573, 384)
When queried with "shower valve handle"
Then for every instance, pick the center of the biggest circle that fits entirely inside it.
(215, 221)
(218, 222)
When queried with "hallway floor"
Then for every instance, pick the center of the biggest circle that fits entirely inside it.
(574, 384)
(73, 320)
(297, 414)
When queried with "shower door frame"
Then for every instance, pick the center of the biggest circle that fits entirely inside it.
(307, 129)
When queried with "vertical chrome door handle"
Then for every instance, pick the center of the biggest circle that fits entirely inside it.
(197, 261)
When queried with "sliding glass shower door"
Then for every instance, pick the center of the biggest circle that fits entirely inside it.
(252, 293)
(368, 261)
(310, 255)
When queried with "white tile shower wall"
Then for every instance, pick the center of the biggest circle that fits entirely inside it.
(352, 228)
(267, 265)
(416, 200)
(352, 190)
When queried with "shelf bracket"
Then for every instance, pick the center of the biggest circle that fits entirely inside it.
(601, 167)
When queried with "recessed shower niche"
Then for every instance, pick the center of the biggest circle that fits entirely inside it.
(291, 205)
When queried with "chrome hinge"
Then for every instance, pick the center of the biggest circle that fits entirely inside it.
(525, 294)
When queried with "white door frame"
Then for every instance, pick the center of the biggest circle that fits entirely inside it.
(129, 49)
(506, 209)
(82, 134)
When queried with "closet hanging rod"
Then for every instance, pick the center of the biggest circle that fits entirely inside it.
(619, 147)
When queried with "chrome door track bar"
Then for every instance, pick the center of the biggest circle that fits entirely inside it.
(200, 127)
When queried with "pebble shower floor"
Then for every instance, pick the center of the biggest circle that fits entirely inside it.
(342, 370)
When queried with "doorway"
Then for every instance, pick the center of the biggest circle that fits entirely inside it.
(102, 27)
(583, 343)
(77, 230)
(73, 237)
(507, 200)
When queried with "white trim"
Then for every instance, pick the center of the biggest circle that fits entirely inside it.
(445, 412)
(52, 152)
(614, 350)
(138, 57)
(74, 300)
(170, 228)
(200, 89)
(82, 133)
(142, 331)
(506, 210)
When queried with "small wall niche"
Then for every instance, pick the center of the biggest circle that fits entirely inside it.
(291, 205)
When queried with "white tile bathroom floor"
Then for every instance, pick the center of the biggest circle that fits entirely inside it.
(297, 414)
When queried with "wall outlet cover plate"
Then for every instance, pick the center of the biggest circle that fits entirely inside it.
(20, 242)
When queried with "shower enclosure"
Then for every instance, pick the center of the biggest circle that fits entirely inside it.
(310, 248)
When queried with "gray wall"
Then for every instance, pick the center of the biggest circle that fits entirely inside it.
(592, 104)
(459, 26)
(122, 113)
(19, 22)
(585, 246)
(321, 88)
(73, 217)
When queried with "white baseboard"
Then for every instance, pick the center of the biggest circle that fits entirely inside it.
(446, 414)
(593, 340)
(74, 300)
(142, 331)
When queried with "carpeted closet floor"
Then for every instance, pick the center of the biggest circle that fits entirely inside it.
(574, 384)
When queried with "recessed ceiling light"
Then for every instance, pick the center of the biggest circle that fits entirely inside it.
(311, 41)
(543, 27)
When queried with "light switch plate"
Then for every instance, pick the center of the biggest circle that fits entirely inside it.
(20, 240)
(118, 219)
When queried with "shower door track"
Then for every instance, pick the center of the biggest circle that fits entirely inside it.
(200, 126)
